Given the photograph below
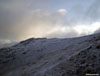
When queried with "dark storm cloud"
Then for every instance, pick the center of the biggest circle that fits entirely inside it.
(18, 22)
(11, 14)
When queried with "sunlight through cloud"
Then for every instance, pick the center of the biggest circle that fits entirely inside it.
(62, 11)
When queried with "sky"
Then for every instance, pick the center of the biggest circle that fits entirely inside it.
(23, 19)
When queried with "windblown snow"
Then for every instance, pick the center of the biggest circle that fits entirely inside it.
(52, 57)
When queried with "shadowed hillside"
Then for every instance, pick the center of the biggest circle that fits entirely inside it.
(52, 57)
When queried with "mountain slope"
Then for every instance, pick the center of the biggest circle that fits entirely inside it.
(52, 57)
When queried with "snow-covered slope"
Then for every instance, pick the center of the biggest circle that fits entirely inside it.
(52, 57)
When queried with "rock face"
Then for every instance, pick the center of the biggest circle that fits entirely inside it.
(52, 57)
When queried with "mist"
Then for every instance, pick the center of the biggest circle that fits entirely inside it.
(23, 19)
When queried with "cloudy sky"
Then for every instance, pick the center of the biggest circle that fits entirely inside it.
(23, 19)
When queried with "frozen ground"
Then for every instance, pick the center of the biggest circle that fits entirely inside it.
(52, 57)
